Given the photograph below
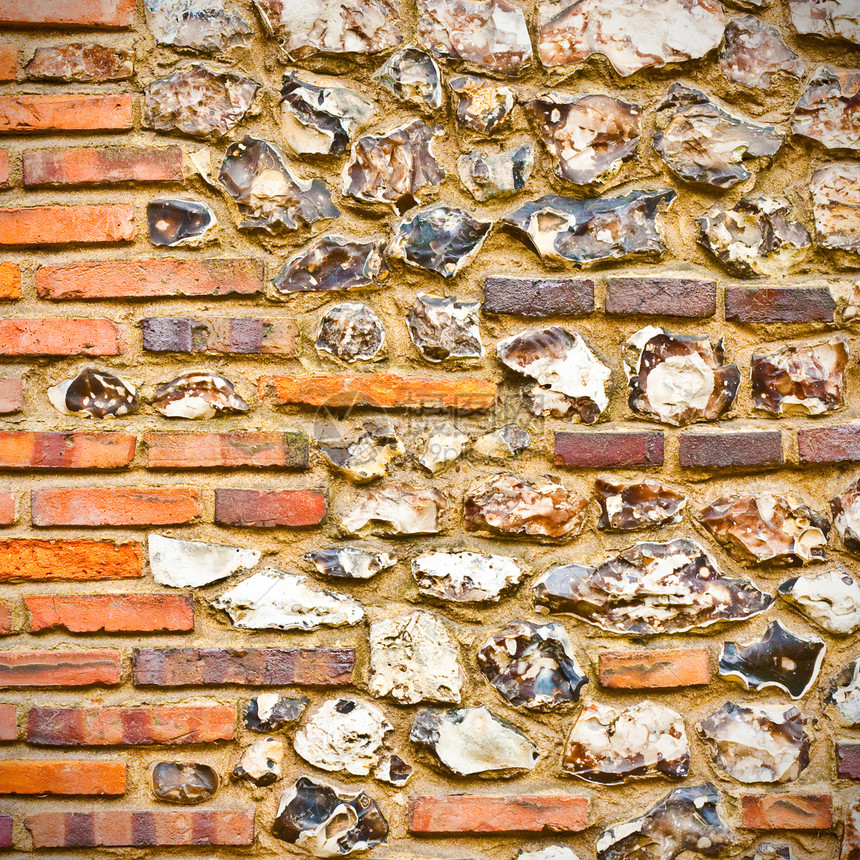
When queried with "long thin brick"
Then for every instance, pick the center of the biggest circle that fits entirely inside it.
(5, 177)
(112, 613)
(115, 506)
(593, 449)
(215, 450)
(70, 13)
(7, 510)
(231, 335)
(539, 297)
(82, 62)
(140, 726)
(728, 449)
(45, 560)
(66, 225)
(86, 778)
(102, 165)
(5, 831)
(11, 395)
(787, 811)
(142, 279)
(59, 668)
(7, 625)
(269, 508)
(834, 444)
(8, 61)
(670, 297)
(653, 669)
(255, 667)
(53, 336)
(8, 722)
(10, 281)
(848, 760)
(24, 449)
(779, 304)
(48, 113)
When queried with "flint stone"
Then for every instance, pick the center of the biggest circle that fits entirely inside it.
(831, 599)
(350, 562)
(496, 176)
(483, 106)
(94, 393)
(174, 223)
(846, 516)
(334, 263)
(197, 394)
(844, 693)
(828, 110)
(394, 771)
(189, 563)
(829, 19)
(551, 852)
(351, 332)
(651, 589)
(414, 77)
(183, 782)
(82, 62)
(270, 712)
(396, 509)
(466, 577)
(203, 26)
(753, 52)
(441, 327)
(644, 505)
(836, 206)
(365, 458)
(445, 443)
(771, 851)
(260, 763)
(502, 444)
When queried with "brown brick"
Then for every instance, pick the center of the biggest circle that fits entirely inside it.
(59, 668)
(8, 61)
(834, 444)
(653, 669)
(55, 336)
(139, 279)
(24, 559)
(115, 506)
(787, 811)
(594, 449)
(539, 297)
(467, 814)
(269, 508)
(36, 113)
(82, 62)
(848, 759)
(5, 179)
(7, 510)
(11, 395)
(255, 667)
(62, 225)
(728, 449)
(102, 165)
(779, 304)
(6, 622)
(5, 831)
(670, 297)
(113, 613)
(78, 13)
(10, 281)
(232, 335)
(88, 778)
(163, 724)
(8, 722)
(24, 449)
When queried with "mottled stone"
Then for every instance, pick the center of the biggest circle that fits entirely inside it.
(396, 509)
(753, 52)
(204, 26)
(771, 851)
(443, 327)
(260, 762)
(644, 505)
(183, 782)
(334, 263)
(270, 712)
(351, 332)
(495, 176)
(503, 444)
(349, 562)
(836, 206)
(394, 771)
(829, 19)
(482, 105)
(828, 110)
(172, 223)
(364, 458)
(844, 693)
(94, 393)
(466, 577)
(82, 62)
(830, 599)
(846, 516)
(198, 394)
(532, 665)
(183, 563)
(444, 444)
(414, 77)
(779, 659)
(850, 849)
(551, 852)
(702, 142)
(650, 589)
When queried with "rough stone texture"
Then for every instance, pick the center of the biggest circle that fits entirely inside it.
(754, 52)
(827, 110)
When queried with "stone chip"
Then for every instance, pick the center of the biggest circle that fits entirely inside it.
(466, 577)
(830, 599)
(753, 52)
(828, 110)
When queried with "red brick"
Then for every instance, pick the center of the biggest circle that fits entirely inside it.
(115, 506)
(269, 508)
(653, 669)
(163, 724)
(6, 622)
(8, 722)
(255, 667)
(848, 760)
(467, 814)
(82, 62)
(24, 449)
(730, 449)
(102, 165)
(215, 450)
(11, 395)
(24, 559)
(36, 113)
(539, 297)
(10, 280)
(834, 444)
(77, 13)
(113, 613)
(379, 391)
(669, 297)
(61, 225)
(231, 335)
(138, 279)
(121, 828)
(88, 778)
(7, 510)
(787, 811)
(4, 169)
(5, 831)
(779, 304)
(59, 668)
(8, 61)
(55, 336)
(594, 449)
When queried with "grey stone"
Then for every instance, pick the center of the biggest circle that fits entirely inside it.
(197, 394)
(396, 509)
(828, 19)
(204, 26)
(442, 327)
(836, 206)
(364, 458)
(351, 331)
(846, 516)
(270, 712)
(503, 444)
(394, 771)
(492, 176)
(482, 105)
(349, 562)
(260, 763)
(830, 599)
(466, 577)
(643, 505)
(182, 782)
(754, 52)
(828, 111)
(335, 263)
(844, 694)
(183, 563)
(174, 223)
(94, 393)
(414, 77)
(444, 444)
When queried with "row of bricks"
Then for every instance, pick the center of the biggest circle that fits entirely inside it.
(46, 63)
(68, 13)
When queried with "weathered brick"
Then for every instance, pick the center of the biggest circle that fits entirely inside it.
(8, 61)
(653, 669)
(269, 508)
(157, 724)
(102, 165)
(113, 613)
(671, 297)
(115, 506)
(729, 449)
(24, 449)
(379, 391)
(54, 336)
(83, 62)
(87, 778)
(63, 225)
(6, 621)
(255, 667)
(5, 831)
(77, 13)
(232, 335)
(10, 281)
(60, 668)
(11, 395)
(140, 279)
(216, 450)
(848, 760)
(122, 828)
(539, 297)
(7, 509)
(835, 444)
(594, 449)
(5, 180)
(8, 722)
(23, 113)
(779, 304)
(787, 811)
(25, 559)
(466, 814)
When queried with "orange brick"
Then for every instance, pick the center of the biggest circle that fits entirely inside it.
(10, 279)
(8, 61)
(42, 560)
(7, 509)
(89, 778)
(60, 668)
(34, 113)
(653, 668)
(787, 811)
(8, 722)
(6, 623)
(113, 613)
(24, 449)
(213, 450)
(4, 168)
(83, 13)
(102, 165)
(11, 395)
(60, 336)
(62, 225)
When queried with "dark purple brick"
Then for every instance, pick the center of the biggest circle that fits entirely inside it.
(5, 831)
(672, 297)
(779, 304)
(730, 449)
(839, 444)
(539, 297)
(232, 335)
(848, 760)
(596, 449)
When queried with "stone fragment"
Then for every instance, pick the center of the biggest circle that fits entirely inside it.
(609, 746)
(771, 851)
(204, 26)
(844, 693)
(561, 364)
(836, 206)
(482, 105)
(183, 782)
(183, 563)
(260, 763)
(679, 379)
(321, 120)
(551, 852)
(273, 599)
(630, 34)
(344, 735)
(779, 659)
(413, 658)
(198, 101)
(270, 198)
(474, 742)
(532, 665)
(643, 505)
(828, 111)
(589, 137)
(829, 19)
(393, 168)
(444, 444)
(365, 458)
(565, 229)
(394, 771)
(94, 393)
(442, 327)
(755, 238)
(326, 821)
(334, 263)
(270, 712)
(198, 394)
(466, 577)
(491, 35)
(846, 516)
(502, 444)
(753, 52)
(688, 818)
(494, 176)
(82, 62)
(351, 331)
(414, 77)
(650, 589)
(440, 239)
(396, 509)
(507, 505)
(831, 599)
(755, 744)
(702, 142)
(173, 223)
(349, 562)
(767, 527)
